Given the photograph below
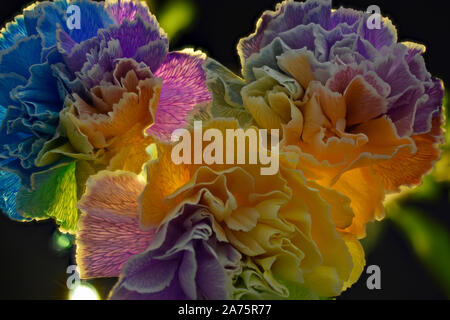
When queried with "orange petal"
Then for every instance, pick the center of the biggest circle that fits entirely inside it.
(132, 108)
(297, 65)
(363, 102)
(366, 193)
(408, 169)
(164, 178)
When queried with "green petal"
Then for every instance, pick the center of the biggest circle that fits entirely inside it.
(266, 57)
(252, 285)
(298, 292)
(54, 195)
(69, 141)
(226, 88)
(294, 89)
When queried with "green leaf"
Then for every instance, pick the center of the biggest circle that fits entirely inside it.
(54, 195)
(375, 231)
(429, 239)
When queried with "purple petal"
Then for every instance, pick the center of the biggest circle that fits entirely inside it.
(379, 38)
(344, 15)
(427, 110)
(393, 69)
(134, 35)
(286, 16)
(187, 272)
(129, 10)
(184, 87)
(402, 108)
(185, 261)
(210, 279)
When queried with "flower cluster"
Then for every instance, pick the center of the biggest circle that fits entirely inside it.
(358, 109)
(88, 116)
(74, 102)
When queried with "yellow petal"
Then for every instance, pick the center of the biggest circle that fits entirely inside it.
(297, 65)
(358, 257)
(366, 192)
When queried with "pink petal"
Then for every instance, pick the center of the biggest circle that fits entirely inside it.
(184, 87)
(109, 232)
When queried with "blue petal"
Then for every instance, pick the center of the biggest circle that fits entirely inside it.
(93, 17)
(6, 134)
(8, 82)
(31, 121)
(35, 14)
(51, 17)
(14, 167)
(13, 32)
(20, 57)
(9, 186)
(40, 96)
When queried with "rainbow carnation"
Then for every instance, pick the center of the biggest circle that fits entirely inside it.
(359, 109)
(89, 118)
(78, 101)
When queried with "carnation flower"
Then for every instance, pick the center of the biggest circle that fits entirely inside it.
(190, 258)
(284, 224)
(105, 86)
(187, 257)
(88, 122)
(358, 109)
(30, 98)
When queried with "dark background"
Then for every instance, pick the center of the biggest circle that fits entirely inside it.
(30, 268)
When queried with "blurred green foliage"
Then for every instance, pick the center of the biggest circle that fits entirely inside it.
(442, 172)
(429, 240)
(175, 16)
(62, 242)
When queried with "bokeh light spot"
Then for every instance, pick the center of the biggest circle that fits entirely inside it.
(84, 291)
(175, 16)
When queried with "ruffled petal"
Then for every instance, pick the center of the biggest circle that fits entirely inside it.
(9, 186)
(134, 37)
(184, 261)
(12, 33)
(183, 88)
(408, 169)
(53, 194)
(47, 17)
(287, 15)
(19, 58)
(108, 233)
(128, 10)
(365, 189)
